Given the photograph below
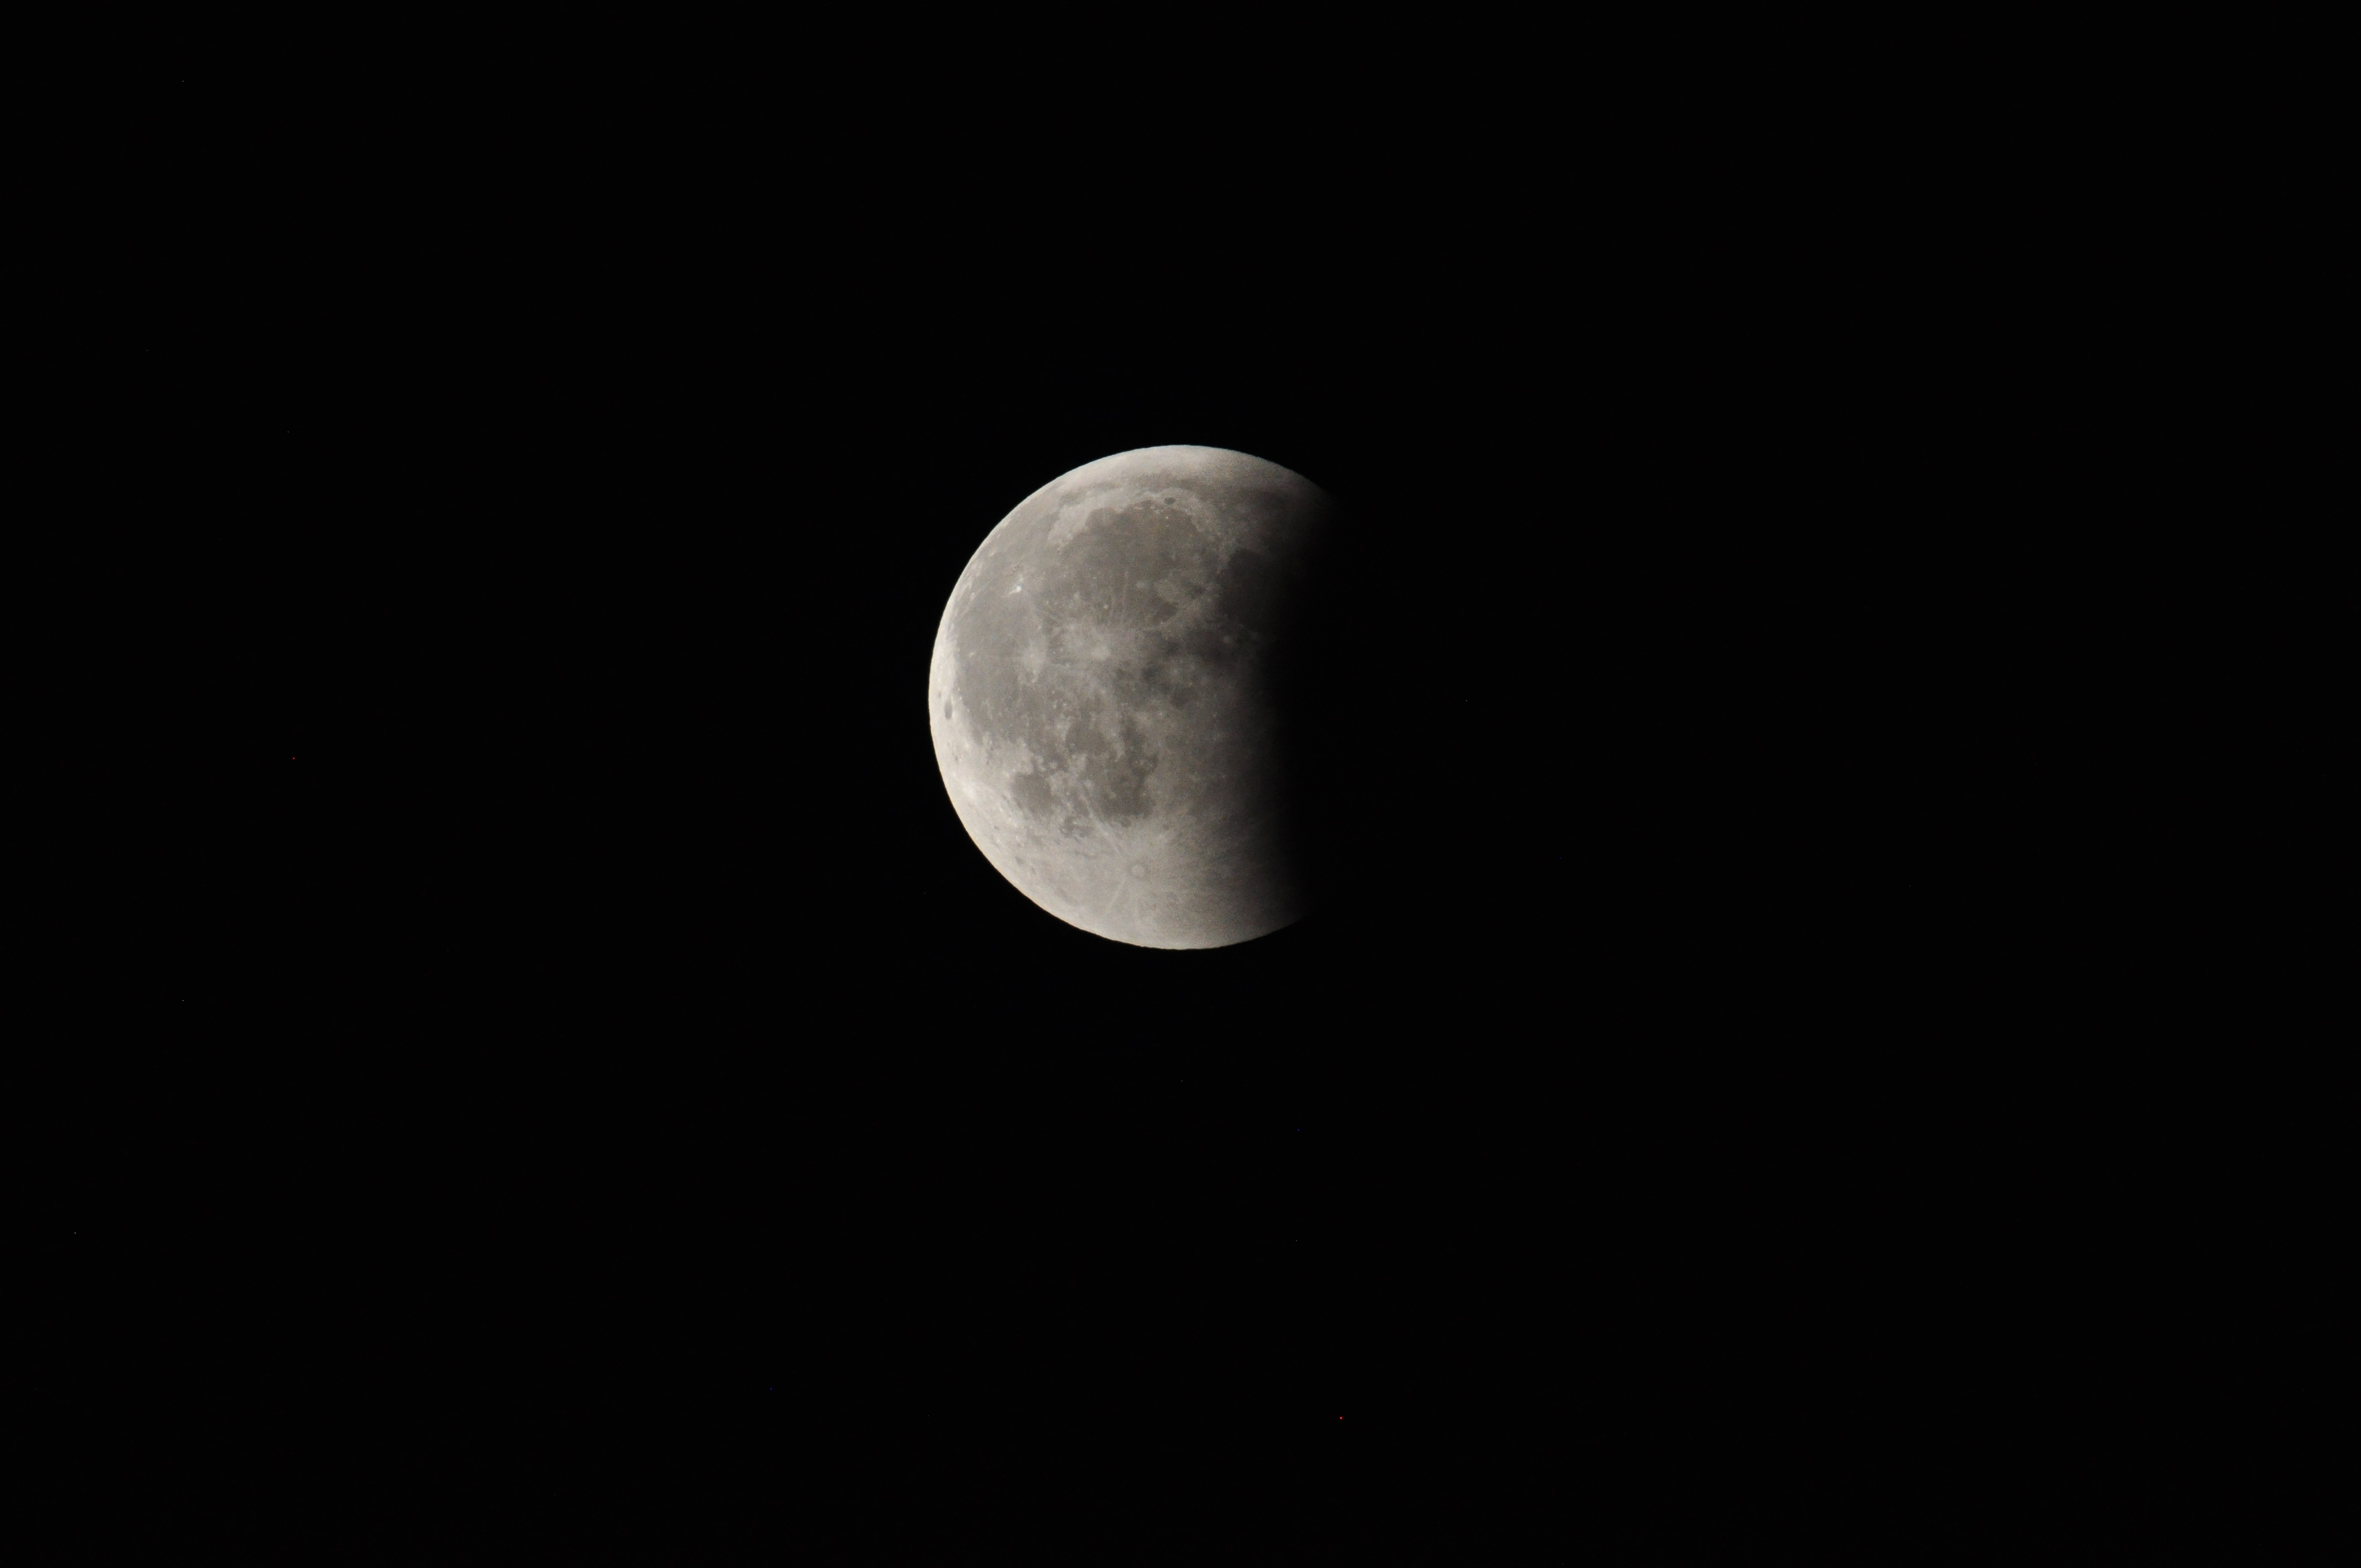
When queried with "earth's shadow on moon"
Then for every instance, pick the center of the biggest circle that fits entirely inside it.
(1342, 711)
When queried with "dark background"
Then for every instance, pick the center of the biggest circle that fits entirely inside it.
(558, 1080)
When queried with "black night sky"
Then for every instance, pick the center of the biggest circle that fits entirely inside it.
(568, 1087)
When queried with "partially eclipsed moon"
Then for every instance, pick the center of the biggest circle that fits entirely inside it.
(1102, 694)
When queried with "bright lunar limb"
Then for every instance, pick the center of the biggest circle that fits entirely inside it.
(1103, 700)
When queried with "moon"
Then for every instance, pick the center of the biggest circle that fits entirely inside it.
(1106, 701)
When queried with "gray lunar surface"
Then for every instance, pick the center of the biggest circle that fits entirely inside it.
(1100, 694)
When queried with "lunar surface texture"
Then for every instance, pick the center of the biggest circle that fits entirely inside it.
(1106, 694)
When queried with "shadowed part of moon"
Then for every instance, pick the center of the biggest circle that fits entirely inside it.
(1104, 694)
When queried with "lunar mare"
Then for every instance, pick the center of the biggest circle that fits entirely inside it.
(1102, 701)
